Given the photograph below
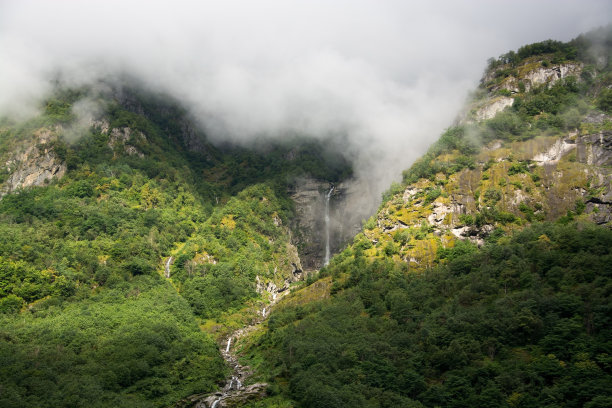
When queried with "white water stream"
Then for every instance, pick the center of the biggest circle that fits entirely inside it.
(235, 391)
(327, 249)
(168, 263)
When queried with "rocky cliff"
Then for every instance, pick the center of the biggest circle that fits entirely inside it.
(500, 86)
(309, 225)
(34, 162)
(532, 146)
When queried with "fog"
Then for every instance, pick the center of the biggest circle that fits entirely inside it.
(390, 75)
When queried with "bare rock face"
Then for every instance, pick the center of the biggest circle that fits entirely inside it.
(35, 165)
(555, 153)
(309, 230)
(493, 107)
(526, 77)
(550, 75)
(533, 74)
(121, 139)
(595, 149)
(309, 224)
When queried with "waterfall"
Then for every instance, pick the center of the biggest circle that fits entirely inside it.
(214, 405)
(229, 341)
(168, 263)
(233, 381)
(327, 251)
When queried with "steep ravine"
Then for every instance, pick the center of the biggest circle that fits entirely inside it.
(326, 218)
(235, 393)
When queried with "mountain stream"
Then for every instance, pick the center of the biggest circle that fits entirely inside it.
(234, 393)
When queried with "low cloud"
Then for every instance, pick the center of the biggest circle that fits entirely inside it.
(391, 75)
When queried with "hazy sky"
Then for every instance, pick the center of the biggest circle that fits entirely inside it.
(390, 74)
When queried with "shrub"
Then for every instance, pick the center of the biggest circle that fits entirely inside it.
(432, 194)
(402, 236)
(492, 195)
(370, 224)
(467, 219)
(604, 102)
(517, 168)
(580, 207)
(393, 190)
(525, 209)
(11, 304)
(506, 124)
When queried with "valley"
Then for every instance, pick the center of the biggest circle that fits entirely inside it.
(144, 264)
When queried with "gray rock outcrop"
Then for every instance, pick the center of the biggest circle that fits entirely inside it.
(309, 224)
(35, 165)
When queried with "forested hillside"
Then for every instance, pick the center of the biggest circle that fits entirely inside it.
(484, 278)
(133, 249)
(119, 235)
(522, 322)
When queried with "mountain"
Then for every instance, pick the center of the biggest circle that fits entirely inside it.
(484, 277)
(129, 243)
(136, 255)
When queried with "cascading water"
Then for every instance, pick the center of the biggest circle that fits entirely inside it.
(235, 392)
(168, 263)
(327, 250)
(235, 384)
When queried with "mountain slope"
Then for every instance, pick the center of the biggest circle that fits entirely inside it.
(545, 154)
(124, 234)
(522, 322)
(131, 247)
(484, 278)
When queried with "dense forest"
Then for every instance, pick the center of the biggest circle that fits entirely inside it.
(524, 321)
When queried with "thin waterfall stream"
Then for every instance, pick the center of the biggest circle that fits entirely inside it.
(327, 220)
(235, 392)
(167, 267)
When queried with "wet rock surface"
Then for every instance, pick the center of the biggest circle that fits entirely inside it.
(309, 225)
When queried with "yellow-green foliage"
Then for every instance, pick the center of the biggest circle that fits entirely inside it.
(228, 222)
(523, 191)
(317, 291)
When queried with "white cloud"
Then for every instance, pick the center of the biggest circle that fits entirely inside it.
(391, 74)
